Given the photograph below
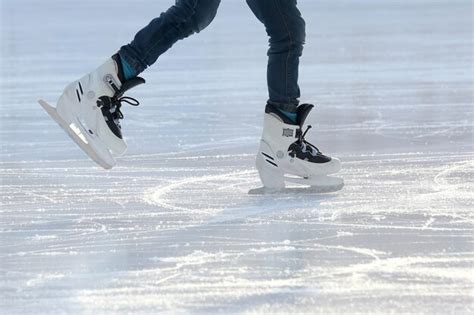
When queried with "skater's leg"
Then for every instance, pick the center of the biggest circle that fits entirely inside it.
(89, 109)
(283, 149)
(181, 20)
(286, 29)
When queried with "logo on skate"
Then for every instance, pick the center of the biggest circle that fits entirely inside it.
(287, 132)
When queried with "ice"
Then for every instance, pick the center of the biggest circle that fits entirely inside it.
(172, 228)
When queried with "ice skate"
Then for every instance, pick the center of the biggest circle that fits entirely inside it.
(89, 112)
(285, 156)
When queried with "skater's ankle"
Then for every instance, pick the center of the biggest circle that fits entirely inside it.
(125, 71)
(290, 115)
(288, 110)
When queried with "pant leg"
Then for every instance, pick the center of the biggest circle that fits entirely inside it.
(286, 30)
(181, 20)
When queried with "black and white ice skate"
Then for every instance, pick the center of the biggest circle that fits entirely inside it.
(89, 112)
(285, 156)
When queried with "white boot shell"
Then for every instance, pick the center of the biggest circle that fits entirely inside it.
(77, 113)
(79, 99)
(276, 166)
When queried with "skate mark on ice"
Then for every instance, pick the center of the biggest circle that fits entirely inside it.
(207, 198)
(424, 267)
(372, 253)
(428, 223)
(70, 242)
(457, 177)
(408, 131)
(209, 185)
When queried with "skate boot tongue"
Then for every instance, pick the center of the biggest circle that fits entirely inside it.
(110, 106)
(302, 113)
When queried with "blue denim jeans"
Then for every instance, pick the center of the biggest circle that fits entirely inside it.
(283, 23)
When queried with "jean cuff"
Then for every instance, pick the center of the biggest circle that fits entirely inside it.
(127, 55)
(287, 107)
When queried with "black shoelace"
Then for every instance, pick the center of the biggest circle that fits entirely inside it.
(117, 104)
(305, 144)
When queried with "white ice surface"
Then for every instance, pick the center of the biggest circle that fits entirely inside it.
(172, 229)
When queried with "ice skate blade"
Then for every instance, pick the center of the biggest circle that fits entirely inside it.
(104, 159)
(294, 190)
(315, 188)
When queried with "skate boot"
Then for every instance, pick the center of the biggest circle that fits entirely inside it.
(89, 112)
(285, 155)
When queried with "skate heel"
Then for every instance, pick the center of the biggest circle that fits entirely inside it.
(268, 168)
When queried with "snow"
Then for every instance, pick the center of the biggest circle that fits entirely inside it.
(172, 229)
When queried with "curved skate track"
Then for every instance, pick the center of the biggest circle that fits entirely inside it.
(172, 228)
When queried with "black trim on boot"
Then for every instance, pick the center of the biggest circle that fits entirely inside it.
(118, 62)
(302, 113)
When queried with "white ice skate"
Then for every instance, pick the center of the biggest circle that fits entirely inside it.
(89, 112)
(285, 156)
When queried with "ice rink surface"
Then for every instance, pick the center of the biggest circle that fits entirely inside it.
(172, 228)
